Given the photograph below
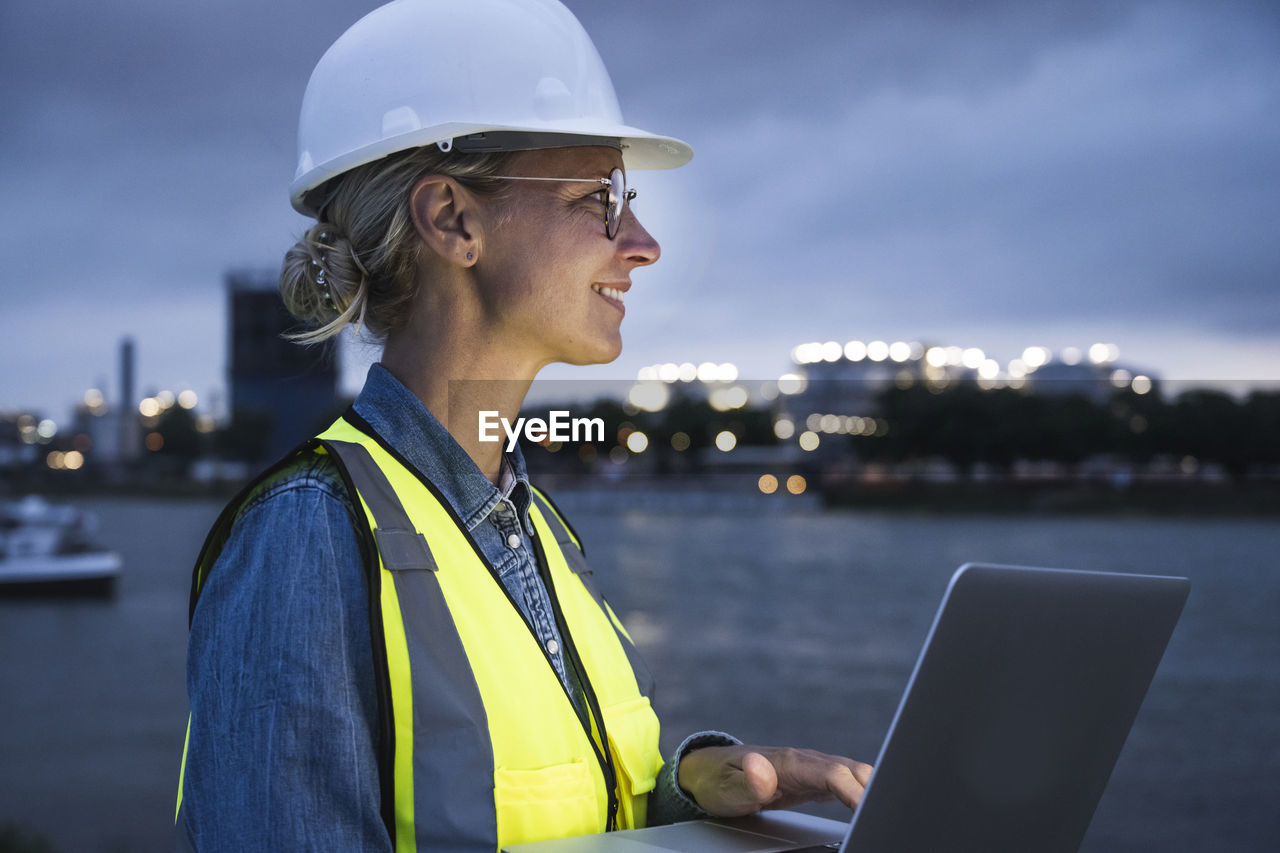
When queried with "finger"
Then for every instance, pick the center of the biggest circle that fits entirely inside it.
(811, 775)
(861, 772)
(843, 783)
(761, 778)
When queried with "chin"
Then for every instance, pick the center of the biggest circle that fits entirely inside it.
(604, 352)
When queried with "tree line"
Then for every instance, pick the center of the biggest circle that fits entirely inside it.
(967, 426)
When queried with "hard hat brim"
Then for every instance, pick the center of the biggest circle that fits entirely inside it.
(640, 150)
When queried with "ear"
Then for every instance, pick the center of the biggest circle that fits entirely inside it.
(445, 215)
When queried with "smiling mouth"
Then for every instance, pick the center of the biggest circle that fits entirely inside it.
(610, 293)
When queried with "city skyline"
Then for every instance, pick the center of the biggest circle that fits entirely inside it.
(105, 394)
(1002, 176)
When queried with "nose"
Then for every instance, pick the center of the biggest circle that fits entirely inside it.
(634, 243)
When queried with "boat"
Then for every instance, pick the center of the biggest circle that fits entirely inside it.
(49, 548)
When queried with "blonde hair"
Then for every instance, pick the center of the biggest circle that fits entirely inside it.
(358, 264)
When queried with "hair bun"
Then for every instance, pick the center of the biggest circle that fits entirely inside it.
(322, 281)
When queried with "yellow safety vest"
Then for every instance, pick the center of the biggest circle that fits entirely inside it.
(481, 745)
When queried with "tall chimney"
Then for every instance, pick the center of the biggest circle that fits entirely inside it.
(130, 445)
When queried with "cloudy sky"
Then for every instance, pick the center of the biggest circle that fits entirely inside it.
(995, 174)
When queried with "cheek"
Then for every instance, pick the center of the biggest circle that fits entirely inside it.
(529, 239)
(546, 259)
(551, 264)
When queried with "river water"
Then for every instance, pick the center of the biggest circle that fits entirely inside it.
(781, 623)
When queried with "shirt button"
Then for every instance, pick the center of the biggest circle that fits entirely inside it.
(513, 540)
(553, 647)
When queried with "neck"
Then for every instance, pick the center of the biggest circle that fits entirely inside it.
(459, 369)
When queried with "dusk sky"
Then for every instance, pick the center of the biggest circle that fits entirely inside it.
(990, 174)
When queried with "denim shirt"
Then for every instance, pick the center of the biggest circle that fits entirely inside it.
(282, 750)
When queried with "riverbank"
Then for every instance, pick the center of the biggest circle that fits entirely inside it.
(1176, 498)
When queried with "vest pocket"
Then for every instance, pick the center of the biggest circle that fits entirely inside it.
(633, 740)
(551, 802)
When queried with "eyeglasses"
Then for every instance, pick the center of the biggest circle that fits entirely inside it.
(615, 195)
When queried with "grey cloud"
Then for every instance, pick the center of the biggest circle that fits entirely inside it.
(1129, 163)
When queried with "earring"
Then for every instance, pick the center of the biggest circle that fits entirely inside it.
(469, 256)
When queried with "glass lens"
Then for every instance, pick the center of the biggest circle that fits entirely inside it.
(614, 197)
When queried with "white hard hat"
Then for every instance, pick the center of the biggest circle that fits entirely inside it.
(468, 74)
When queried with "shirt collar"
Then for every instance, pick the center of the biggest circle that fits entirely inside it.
(410, 427)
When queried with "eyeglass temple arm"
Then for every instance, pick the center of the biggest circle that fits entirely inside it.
(603, 181)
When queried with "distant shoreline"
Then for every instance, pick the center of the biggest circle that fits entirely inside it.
(1249, 498)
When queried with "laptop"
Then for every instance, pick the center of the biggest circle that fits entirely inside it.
(1006, 735)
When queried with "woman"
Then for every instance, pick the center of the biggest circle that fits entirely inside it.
(395, 640)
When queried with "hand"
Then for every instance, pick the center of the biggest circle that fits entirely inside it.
(728, 781)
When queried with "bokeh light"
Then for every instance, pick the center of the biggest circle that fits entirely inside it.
(972, 358)
(1035, 357)
(649, 396)
(791, 383)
